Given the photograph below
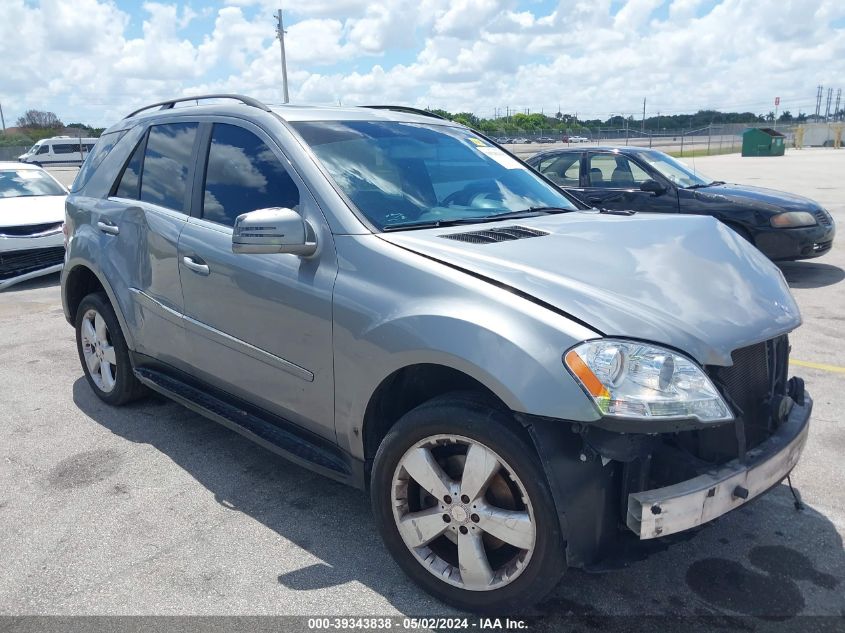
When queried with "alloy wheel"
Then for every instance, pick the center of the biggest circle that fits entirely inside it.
(463, 512)
(98, 351)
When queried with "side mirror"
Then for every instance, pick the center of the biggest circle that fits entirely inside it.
(652, 186)
(273, 230)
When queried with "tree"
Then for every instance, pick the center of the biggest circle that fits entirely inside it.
(785, 116)
(770, 116)
(38, 119)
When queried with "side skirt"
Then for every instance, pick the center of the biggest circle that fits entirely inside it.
(269, 431)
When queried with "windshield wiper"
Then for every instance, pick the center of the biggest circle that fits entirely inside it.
(433, 224)
(429, 224)
(525, 213)
(706, 184)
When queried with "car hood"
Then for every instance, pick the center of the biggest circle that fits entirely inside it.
(24, 210)
(757, 197)
(687, 282)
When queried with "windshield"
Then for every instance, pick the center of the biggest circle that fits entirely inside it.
(15, 183)
(676, 171)
(408, 173)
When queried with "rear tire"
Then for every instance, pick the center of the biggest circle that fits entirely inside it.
(482, 533)
(103, 352)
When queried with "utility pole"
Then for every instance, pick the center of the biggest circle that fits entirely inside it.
(280, 33)
(3, 119)
(827, 109)
(643, 127)
(819, 100)
(836, 109)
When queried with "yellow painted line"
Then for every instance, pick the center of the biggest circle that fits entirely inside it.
(822, 366)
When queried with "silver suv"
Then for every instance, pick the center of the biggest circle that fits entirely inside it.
(391, 299)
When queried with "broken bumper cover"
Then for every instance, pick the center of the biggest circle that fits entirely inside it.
(688, 504)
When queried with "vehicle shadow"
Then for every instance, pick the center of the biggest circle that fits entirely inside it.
(811, 274)
(749, 563)
(53, 279)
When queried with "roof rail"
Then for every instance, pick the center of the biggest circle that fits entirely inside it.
(407, 109)
(167, 105)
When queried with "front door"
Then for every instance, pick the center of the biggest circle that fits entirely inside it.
(612, 181)
(258, 326)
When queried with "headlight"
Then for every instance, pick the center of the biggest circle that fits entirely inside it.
(792, 219)
(627, 379)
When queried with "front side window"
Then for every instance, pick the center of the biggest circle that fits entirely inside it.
(400, 174)
(242, 175)
(17, 183)
(43, 149)
(167, 163)
(673, 170)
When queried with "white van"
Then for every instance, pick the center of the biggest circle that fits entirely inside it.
(59, 150)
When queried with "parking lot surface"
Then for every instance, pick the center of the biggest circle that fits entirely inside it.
(151, 509)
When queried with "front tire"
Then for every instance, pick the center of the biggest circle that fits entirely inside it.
(103, 352)
(464, 507)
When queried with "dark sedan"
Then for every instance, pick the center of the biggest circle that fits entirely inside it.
(782, 225)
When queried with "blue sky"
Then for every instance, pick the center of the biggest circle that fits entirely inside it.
(95, 60)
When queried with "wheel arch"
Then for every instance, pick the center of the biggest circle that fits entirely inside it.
(79, 280)
(408, 387)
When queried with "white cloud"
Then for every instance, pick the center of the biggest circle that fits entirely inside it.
(77, 57)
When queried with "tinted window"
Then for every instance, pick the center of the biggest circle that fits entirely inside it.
(243, 175)
(130, 180)
(101, 149)
(615, 171)
(43, 149)
(166, 164)
(65, 148)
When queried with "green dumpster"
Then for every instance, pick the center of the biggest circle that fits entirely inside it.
(762, 141)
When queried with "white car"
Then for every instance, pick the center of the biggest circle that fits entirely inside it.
(32, 212)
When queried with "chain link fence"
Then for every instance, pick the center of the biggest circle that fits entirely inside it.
(703, 141)
(11, 152)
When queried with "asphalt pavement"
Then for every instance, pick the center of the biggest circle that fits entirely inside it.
(152, 509)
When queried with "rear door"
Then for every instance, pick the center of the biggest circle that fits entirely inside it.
(612, 181)
(142, 221)
(258, 326)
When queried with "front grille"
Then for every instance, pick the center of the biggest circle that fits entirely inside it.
(30, 230)
(758, 375)
(21, 262)
(490, 236)
(822, 217)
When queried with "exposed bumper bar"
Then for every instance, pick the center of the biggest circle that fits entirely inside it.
(681, 506)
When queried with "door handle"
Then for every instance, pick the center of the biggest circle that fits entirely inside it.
(107, 227)
(198, 267)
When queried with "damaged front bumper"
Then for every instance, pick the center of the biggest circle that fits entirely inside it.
(688, 504)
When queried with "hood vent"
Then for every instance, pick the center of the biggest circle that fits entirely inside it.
(501, 234)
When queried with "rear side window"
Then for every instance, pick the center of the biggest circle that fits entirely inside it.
(242, 175)
(167, 162)
(66, 148)
(101, 149)
(130, 181)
